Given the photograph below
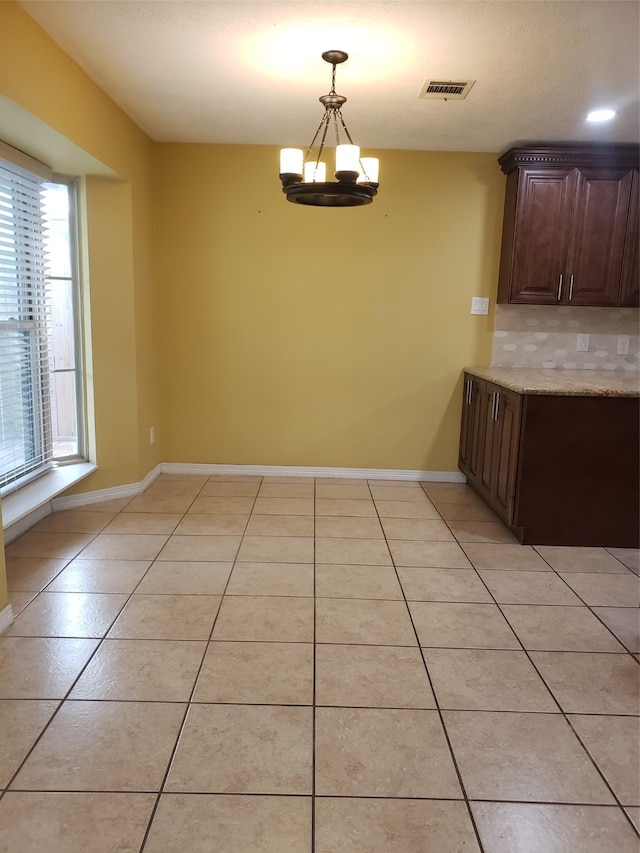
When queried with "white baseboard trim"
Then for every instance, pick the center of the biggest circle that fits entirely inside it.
(295, 471)
(151, 477)
(130, 490)
(6, 618)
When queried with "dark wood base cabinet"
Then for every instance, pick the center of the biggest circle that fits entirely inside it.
(558, 470)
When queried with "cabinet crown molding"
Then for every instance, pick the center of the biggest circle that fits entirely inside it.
(620, 156)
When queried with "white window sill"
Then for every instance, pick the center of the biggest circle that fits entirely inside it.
(29, 498)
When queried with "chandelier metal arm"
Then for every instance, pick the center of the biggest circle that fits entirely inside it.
(344, 127)
(325, 123)
(336, 130)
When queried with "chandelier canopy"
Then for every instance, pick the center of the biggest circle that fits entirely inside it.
(303, 176)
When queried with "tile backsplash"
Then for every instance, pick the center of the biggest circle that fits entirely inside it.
(546, 336)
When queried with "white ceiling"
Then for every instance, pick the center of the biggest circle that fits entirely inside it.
(251, 72)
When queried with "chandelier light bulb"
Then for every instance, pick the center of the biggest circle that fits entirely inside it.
(315, 172)
(347, 159)
(291, 161)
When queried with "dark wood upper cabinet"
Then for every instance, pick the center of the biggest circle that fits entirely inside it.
(568, 235)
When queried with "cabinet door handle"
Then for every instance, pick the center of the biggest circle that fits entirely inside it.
(560, 280)
(469, 391)
(570, 288)
(497, 404)
(494, 406)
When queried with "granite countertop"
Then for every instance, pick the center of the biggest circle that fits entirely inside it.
(573, 383)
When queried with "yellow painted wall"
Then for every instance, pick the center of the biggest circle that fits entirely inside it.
(60, 97)
(56, 104)
(112, 306)
(320, 337)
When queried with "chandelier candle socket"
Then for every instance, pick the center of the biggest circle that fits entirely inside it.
(303, 176)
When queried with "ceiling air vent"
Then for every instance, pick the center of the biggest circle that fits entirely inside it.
(448, 90)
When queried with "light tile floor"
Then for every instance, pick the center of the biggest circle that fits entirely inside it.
(246, 664)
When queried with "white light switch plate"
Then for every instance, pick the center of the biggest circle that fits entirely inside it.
(582, 343)
(479, 305)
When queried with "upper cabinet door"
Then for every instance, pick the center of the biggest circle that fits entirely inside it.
(599, 227)
(630, 286)
(541, 235)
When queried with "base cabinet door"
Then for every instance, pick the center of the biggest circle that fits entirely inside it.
(486, 469)
(489, 440)
(470, 432)
(506, 446)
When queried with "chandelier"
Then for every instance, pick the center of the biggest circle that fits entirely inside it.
(303, 176)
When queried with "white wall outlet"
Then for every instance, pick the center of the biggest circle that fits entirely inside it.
(479, 305)
(152, 435)
(623, 344)
(582, 343)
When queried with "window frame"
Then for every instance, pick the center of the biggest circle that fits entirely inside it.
(71, 182)
(38, 429)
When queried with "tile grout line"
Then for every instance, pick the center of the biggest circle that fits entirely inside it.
(101, 640)
(435, 697)
(314, 699)
(562, 711)
(66, 696)
(589, 606)
(189, 701)
(294, 796)
(63, 699)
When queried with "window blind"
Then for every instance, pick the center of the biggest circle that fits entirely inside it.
(26, 337)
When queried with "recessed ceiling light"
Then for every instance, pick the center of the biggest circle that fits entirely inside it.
(601, 115)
